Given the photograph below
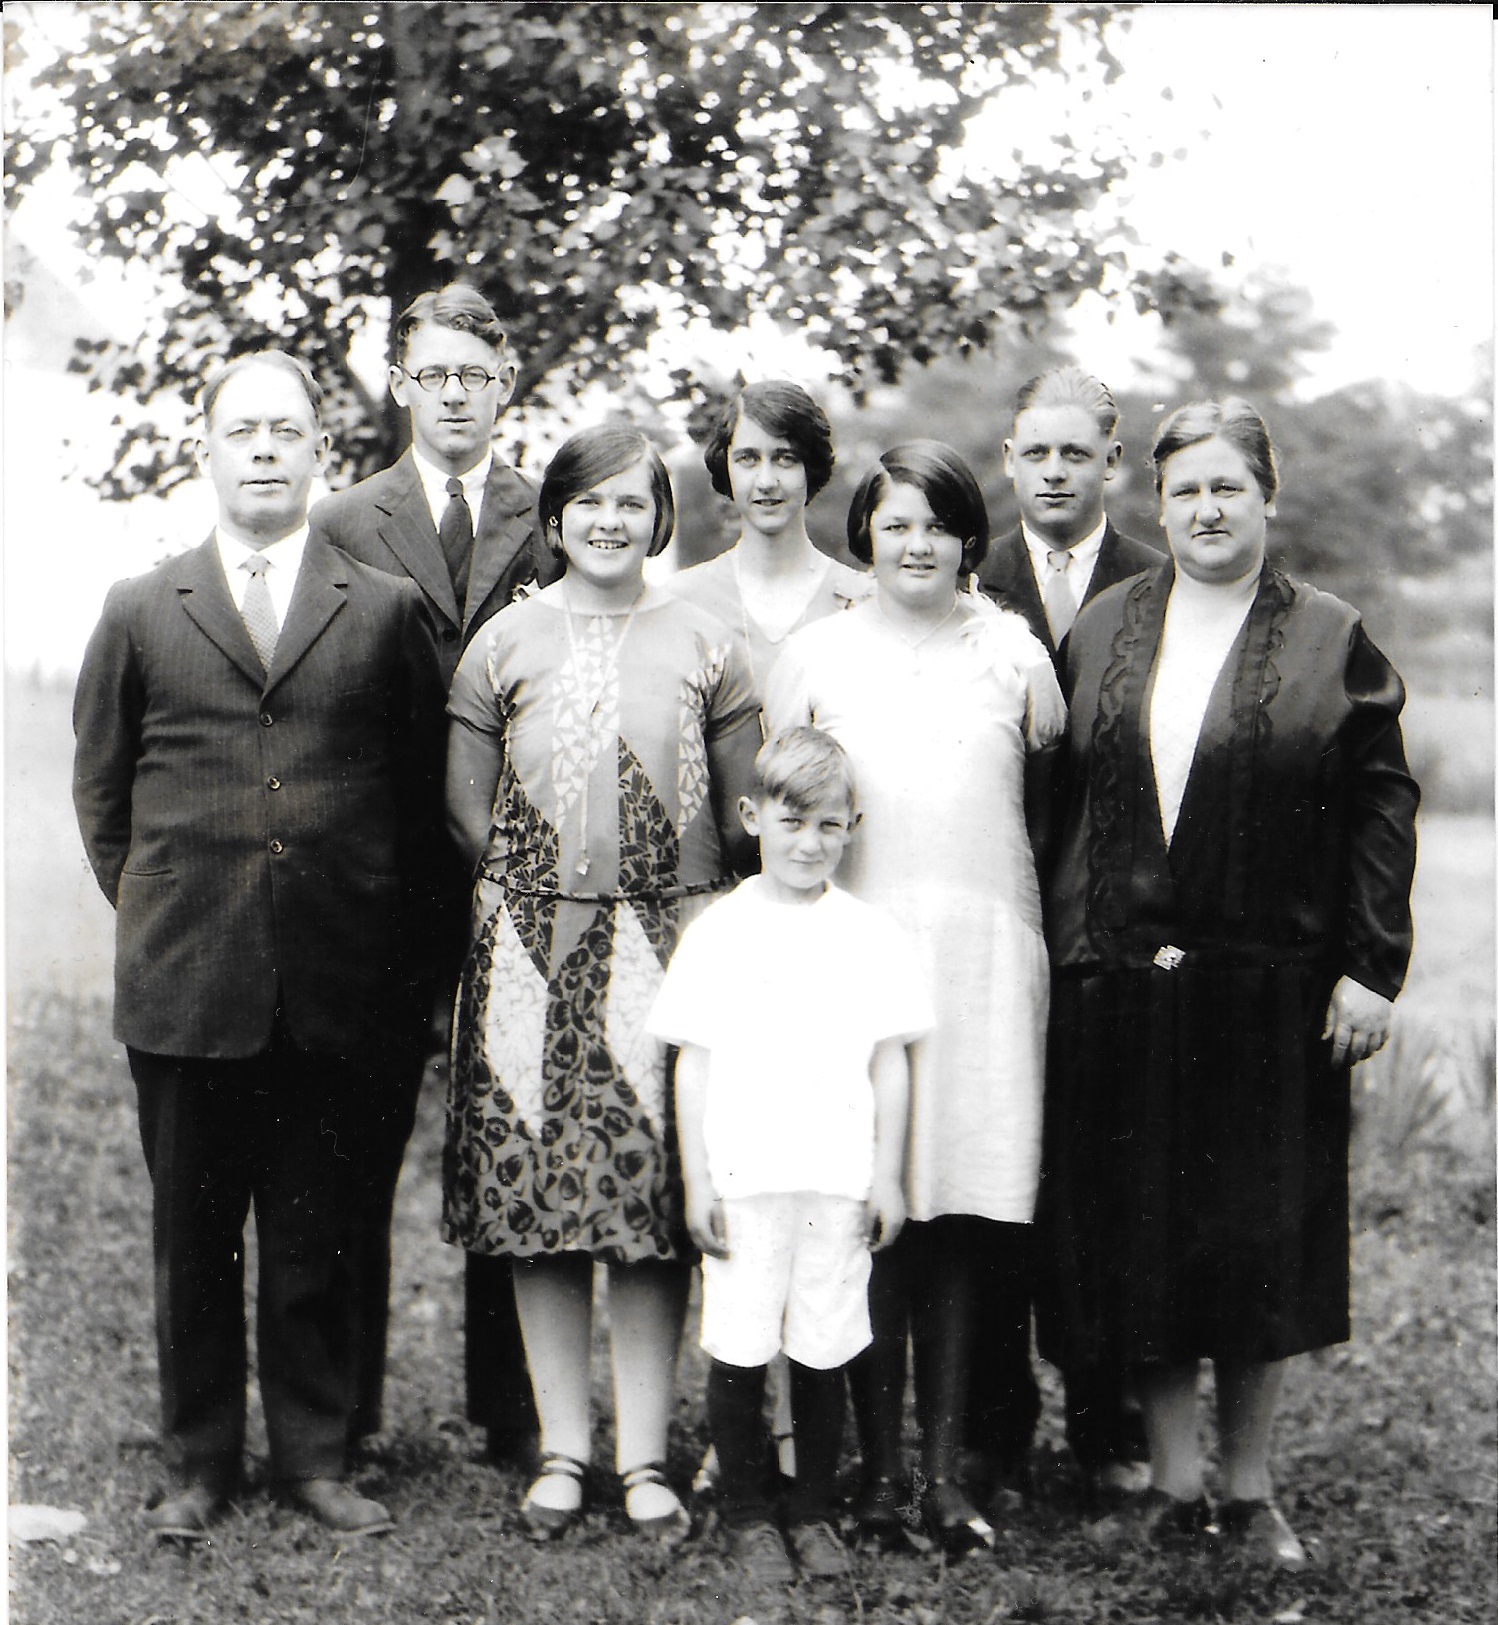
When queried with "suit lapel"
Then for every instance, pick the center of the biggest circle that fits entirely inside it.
(321, 591)
(505, 524)
(406, 529)
(1018, 583)
(1105, 572)
(204, 594)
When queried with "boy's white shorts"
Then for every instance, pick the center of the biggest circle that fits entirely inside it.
(796, 1278)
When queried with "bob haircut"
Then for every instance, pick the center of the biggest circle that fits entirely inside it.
(594, 455)
(946, 482)
(1231, 419)
(1070, 386)
(779, 408)
(458, 306)
(803, 767)
(279, 360)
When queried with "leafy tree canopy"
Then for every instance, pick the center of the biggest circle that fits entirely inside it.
(597, 169)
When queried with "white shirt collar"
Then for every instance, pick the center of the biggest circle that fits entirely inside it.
(284, 558)
(434, 484)
(1083, 555)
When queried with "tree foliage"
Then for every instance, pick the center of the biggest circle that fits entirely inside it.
(597, 169)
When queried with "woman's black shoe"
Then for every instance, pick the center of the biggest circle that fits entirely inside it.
(952, 1521)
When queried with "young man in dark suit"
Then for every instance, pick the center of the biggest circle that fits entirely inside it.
(258, 790)
(1061, 454)
(461, 524)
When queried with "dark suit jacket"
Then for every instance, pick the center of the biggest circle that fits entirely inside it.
(262, 837)
(385, 521)
(1008, 576)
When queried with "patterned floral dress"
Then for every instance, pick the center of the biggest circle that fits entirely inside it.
(603, 842)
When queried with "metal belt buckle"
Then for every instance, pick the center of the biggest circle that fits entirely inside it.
(1170, 958)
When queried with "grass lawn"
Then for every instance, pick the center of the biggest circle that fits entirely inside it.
(1387, 1447)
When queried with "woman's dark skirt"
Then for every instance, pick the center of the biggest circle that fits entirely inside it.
(1194, 1199)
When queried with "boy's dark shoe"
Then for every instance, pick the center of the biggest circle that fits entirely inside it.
(757, 1550)
(819, 1550)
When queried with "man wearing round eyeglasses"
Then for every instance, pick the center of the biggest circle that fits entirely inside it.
(461, 523)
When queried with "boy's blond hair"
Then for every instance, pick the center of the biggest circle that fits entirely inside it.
(801, 767)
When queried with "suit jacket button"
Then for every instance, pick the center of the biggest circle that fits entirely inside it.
(277, 847)
(272, 783)
(265, 719)
(448, 635)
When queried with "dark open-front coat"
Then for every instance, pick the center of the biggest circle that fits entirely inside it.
(1296, 834)
(1194, 1196)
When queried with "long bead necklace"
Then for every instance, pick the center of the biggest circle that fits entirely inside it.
(610, 667)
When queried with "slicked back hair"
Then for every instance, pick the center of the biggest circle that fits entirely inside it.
(1232, 419)
(942, 476)
(591, 456)
(1070, 386)
(781, 408)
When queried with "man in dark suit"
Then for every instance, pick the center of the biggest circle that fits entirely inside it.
(462, 525)
(1061, 455)
(258, 791)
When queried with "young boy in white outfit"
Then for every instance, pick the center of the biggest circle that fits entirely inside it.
(792, 1003)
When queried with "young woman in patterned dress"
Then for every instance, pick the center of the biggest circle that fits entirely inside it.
(602, 730)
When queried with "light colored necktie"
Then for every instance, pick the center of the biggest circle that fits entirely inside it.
(456, 535)
(1060, 600)
(258, 610)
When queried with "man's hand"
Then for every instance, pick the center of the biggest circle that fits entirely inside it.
(884, 1213)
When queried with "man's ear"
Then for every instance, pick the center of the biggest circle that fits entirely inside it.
(749, 816)
(509, 375)
(398, 382)
(200, 454)
(1112, 458)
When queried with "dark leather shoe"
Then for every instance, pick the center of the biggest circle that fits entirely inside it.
(337, 1507)
(186, 1514)
(1158, 1520)
(877, 1512)
(1257, 1530)
(953, 1522)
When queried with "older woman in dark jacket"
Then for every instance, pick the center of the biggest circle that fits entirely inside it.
(1229, 923)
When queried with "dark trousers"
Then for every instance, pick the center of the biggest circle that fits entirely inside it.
(392, 1115)
(497, 1379)
(281, 1130)
(1003, 1403)
(927, 1287)
(1003, 1398)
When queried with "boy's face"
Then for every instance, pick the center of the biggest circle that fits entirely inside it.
(799, 850)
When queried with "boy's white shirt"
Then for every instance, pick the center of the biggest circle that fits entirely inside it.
(789, 1000)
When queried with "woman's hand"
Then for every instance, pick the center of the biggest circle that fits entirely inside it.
(705, 1222)
(884, 1213)
(1357, 1022)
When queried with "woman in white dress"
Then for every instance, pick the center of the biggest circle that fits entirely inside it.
(770, 452)
(938, 698)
